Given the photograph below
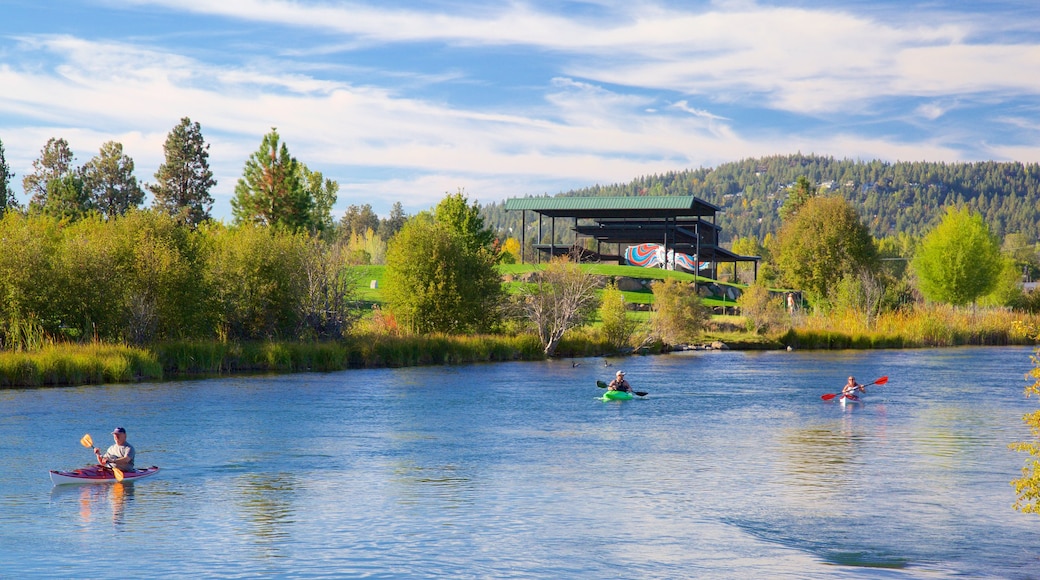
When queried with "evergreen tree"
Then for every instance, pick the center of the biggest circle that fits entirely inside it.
(108, 179)
(184, 179)
(394, 222)
(7, 199)
(797, 197)
(358, 219)
(55, 162)
(271, 191)
(66, 197)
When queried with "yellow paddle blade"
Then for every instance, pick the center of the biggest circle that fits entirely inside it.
(86, 441)
(118, 473)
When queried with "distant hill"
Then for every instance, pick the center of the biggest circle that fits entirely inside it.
(892, 197)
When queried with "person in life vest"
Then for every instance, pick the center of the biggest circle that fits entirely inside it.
(850, 388)
(619, 383)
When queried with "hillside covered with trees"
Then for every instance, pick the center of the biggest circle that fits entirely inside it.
(892, 198)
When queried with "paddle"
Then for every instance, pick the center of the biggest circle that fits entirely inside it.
(603, 385)
(830, 396)
(88, 441)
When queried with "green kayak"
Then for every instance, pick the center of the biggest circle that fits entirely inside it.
(616, 396)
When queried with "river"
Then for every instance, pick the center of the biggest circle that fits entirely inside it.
(732, 467)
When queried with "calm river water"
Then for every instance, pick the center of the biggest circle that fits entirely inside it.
(732, 467)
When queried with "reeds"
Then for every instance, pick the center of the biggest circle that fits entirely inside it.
(382, 350)
(922, 326)
(76, 364)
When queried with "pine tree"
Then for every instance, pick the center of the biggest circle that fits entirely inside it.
(108, 179)
(55, 163)
(271, 191)
(184, 179)
(7, 199)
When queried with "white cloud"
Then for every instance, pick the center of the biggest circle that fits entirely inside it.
(633, 96)
(795, 59)
(931, 111)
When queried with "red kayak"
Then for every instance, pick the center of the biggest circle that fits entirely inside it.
(98, 474)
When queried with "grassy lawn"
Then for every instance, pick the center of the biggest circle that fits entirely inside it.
(366, 274)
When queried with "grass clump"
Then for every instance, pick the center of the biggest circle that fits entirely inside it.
(77, 364)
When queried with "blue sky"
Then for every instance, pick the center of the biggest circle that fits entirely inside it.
(407, 100)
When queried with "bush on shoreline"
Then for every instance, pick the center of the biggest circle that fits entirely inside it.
(57, 364)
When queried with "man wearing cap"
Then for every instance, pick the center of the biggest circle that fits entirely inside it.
(619, 383)
(120, 455)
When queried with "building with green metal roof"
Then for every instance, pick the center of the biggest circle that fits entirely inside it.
(683, 224)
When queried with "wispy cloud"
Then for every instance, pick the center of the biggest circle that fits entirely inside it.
(510, 99)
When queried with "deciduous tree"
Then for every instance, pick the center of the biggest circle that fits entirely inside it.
(436, 282)
(323, 193)
(465, 220)
(679, 315)
(1027, 487)
(617, 327)
(561, 297)
(761, 310)
(824, 242)
(959, 260)
(511, 251)
(184, 179)
(330, 306)
(257, 276)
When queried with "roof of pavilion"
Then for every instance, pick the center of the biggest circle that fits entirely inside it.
(643, 206)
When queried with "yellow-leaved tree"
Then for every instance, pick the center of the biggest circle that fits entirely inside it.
(1027, 487)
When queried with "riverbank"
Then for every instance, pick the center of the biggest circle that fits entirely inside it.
(67, 364)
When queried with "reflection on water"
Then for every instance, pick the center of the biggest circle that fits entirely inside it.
(106, 500)
(818, 461)
(455, 472)
(265, 499)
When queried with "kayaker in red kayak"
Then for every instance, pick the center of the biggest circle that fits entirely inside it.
(619, 383)
(850, 388)
(121, 454)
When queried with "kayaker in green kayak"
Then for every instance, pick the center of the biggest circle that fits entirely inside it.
(121, 454)
(619, 383)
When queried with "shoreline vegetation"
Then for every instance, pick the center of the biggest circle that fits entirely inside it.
(70, 364)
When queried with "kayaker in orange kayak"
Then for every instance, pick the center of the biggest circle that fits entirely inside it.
(120, 454)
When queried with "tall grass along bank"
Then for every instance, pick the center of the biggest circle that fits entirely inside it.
(922, 326)
(74, 364)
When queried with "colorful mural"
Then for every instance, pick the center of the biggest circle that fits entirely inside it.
(653, 256)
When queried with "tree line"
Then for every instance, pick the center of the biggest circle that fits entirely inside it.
(84, 259)
(275, 188)
(142, 277)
